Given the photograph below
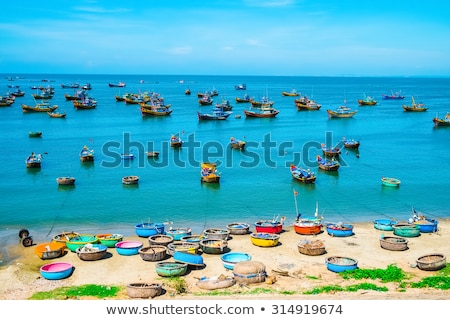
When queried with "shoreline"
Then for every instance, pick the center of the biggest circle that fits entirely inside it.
(21, 277)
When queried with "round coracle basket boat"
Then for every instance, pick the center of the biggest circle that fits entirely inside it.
(384, 224)
(195, 238)
(191, 259)
(91, 252)
(153, 253)
(171, 269)
(63, 237)
(216, 233)
(408, 230)
(178, 233)
(431, 262)
(109, 239)
(56, 270)
(128, 248)
(80, 240)
(341, 264)
(213, 246)
(130, 180)
(50, 250)
(394, 243)
(190, 247)
(160, 240)
(311, 248)
(238, 228)
(247, 272)
(216, 282)
(148, 229)
(144, 290)
(230, 259)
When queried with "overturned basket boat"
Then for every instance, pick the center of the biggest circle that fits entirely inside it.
(394, 243)
(216, 282)
(144, 290)
(431, 262)
(311, 248)
(153, 253)
(160, 240)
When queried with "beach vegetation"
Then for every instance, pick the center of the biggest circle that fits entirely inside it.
(74, 292)
(392, 273)
(436, 282)
(177, 283)
(351, 288)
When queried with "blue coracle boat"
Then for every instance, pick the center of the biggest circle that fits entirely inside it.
(384, 224)
(427, 225)
(341, 264)
(148, 229)
(339, 230)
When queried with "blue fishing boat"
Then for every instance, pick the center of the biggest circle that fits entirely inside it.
(339, 229)
(191, 259)
(148, 229)
(56, 270)
(384, 224)
(178, 233)
(341, 264)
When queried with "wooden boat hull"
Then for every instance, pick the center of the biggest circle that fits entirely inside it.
(341, 264)
(160, 239)
(66, 181)
(394, 243)
(431, 262)
(307, 228)
(64, 236)
(128, 248)
(230, 259)
(56, 270)
(406, 230)
(171, 269)
(333, 114)
(384, 224)
(50, 250)
(144, 290)
(153, 253)
(253, 114)
(264, 239)
(340, 230)
(130, 180)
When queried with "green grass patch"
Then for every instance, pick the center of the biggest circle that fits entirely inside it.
(88, 290)
(352, 288)
(392, 273)
(436, 282)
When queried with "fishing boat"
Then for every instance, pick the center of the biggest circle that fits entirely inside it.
(238, 228)
(155, 110)
(263, 102)
(187, 92)
(130, 180)
(407, 230)
(302, 174)
(178, 233)
(264, 239)
(393, 243)
(241, 86)
(86, 154)
(217, 113)
(367, 101)
(341, 112)
(225, 105)
(213, 246)
(431, 262)
(152, 154)
(175, 141)
(171, 269)
(191, 259)
(341, 264)
(50, 250)
(39, 107)
(206, 100)
(43, 96)
(55, 114)
(33, 161)
(330, 151)
(84, 104)
(65, 181)
(128, 248)
(147, 229)
(444, 122)
(305, 104)
(327, 164)
(425, 224)
(261, 112)
(127, 156)
(91, 252)
(393, 96)
(120, 84)
(69, 86)
(237, 144)
(417, 107)
(193, 238)
(80, 240)
(244, 99)
(339, 229)
(292, 93)
(230, 259)
(109, 239)
(56, 270)
(307, 227)
(209, 173)
(351, 143)
(216, 233)
(390, 182)
(384, 224)
(270, 226)
(311, 248)
(216, 282)
(35, 134)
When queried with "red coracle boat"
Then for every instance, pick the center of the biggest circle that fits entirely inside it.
(270, 226)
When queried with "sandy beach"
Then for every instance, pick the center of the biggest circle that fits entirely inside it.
(291, 270)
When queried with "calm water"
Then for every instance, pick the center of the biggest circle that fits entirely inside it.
(255, 184)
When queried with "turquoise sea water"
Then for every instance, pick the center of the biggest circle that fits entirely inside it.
(256, 184)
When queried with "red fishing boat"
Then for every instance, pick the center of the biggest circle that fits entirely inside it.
(270, 226)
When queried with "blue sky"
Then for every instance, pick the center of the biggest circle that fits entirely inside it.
(227, 37)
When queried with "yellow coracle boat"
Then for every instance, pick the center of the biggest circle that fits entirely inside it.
(264, 239)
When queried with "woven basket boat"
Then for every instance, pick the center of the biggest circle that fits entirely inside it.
(144, 290)
(190, 247)
(311, 248)
(153, 253)
(431, 262)
(215, 233)
(394, 243)
(238, 228)
(214, 246)
(91, 252)
(160, 240)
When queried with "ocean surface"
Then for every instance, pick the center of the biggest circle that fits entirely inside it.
(255, 183)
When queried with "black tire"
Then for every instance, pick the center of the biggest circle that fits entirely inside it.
(28, 241)
(23, 233)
